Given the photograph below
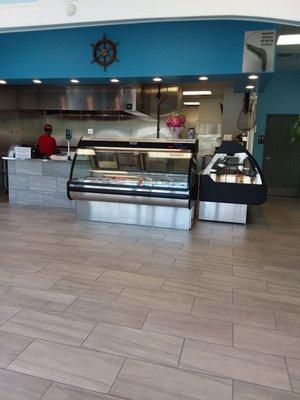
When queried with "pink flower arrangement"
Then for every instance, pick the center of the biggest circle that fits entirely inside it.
(176, 120)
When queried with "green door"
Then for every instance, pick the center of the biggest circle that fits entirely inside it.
(282, 159)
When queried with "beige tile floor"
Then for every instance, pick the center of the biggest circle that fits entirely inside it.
(99, 311)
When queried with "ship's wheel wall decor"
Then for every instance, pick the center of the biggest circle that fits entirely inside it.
(104, 52)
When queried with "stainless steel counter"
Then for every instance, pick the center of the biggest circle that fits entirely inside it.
(41, 182)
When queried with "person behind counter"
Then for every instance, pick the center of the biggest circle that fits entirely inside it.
(47, 143)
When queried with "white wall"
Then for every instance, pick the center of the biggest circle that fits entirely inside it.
(206, 117)
(42, 13)
(233, 104)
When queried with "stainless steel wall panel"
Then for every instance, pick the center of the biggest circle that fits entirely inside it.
(223, 212)
(8, 98)
(117, 198)
(136, 214)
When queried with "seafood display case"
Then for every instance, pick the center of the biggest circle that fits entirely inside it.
(231, 181)
(149, 182)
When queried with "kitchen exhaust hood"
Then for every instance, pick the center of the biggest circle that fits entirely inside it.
(95, 100)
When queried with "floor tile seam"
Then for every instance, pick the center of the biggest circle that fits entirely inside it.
(48, 381)
(145, 319)
(51, 286)
(179, 358)
(68, 385)
(46, 390)
(22, 286)
(193, 303)
(69, 305)
(282, 356)
(205, 374)
(145, 306)
(247, 324)
(138, 357)
(32, 308)
(72, 315)
(288, 373)
(116, 377)
(140, 267)
(120, 256)
(26, 347)
(11, 317)
(269, 295)
(121, 293)
(147, 252)
(70, 346)
(100, 274)
(234, 347)
(130, 284)
(275, 320)
(34, 338)
(163, 282)
(89, 334)
(232, 379)
(200, 298)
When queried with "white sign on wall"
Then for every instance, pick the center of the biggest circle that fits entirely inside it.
(259, 51)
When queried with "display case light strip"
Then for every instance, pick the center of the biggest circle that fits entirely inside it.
(86, 152)
(154, 154)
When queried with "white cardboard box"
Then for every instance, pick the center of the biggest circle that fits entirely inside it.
(22, 152)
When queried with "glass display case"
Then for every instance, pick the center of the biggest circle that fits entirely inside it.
(151, 172)
(236, 168)
(232, 178)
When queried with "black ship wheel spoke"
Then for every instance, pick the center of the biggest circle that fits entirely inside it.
(104, 52)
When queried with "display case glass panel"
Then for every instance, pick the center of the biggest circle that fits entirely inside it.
(235, 168)
(136, 168)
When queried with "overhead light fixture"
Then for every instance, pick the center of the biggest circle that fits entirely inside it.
(157, 79)
(197, 92)
(2, 82)
(253, 77)
(115, 80)
(203, 78)
(74, 80)
(250, 87)
(287, 40)
(37, 81)
(191, 103)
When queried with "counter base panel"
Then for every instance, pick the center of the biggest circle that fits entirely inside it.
(223, 212)
(135, 214)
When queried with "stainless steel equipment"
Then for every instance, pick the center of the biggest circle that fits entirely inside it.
(149, 182)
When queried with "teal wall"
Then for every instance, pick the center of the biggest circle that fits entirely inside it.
(175, 49)
(281, 96)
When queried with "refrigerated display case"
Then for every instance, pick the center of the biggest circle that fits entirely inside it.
(231, 181)
(149, 182)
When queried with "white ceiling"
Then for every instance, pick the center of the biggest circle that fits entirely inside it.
(41, 14)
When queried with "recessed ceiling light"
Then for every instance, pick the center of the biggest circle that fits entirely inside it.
(114, 80)
(37, 81)
(250, 87)
(191, 103)
(2, 82)
(157, 79)
(203, 78)
(74, 80)
(197, 92)
(288, 40)
(253, 77)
